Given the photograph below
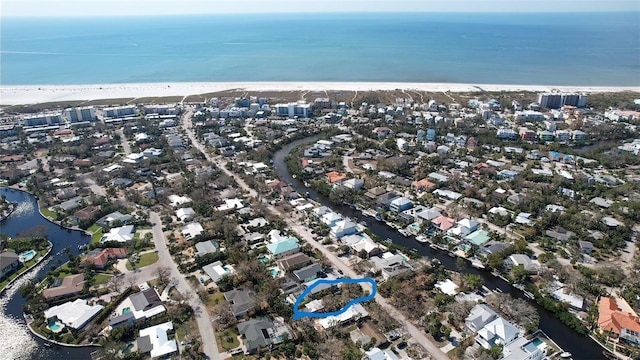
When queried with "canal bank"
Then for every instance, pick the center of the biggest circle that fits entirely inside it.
(582, 347)
(22, 344)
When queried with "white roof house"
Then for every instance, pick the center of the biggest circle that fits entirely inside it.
(74, 314)
(185, 214)
(155, 340)
(216, 270)
(354, 311)
(176, 200)
(479, 316)
(120, 234)
(378, 354)
(499, 331)
(230, 204)
(342, 228)
(331, 218)
(192, 230)
(447, 287)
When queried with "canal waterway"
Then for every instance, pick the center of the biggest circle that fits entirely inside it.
(581, 347)
(16, 341)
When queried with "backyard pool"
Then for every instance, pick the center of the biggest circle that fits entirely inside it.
(264, 259)
(27, 255)
(55, 326)
(273, 272)
(126, 310)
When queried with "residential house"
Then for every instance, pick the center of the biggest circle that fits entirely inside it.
(185, 214)
(262, 333)
(478, 237)
(497, 332)
(334, 177)
(342, 228)
(155, 341)
(479, 316)
(100, 257)
(67, 286)
(560, 234)
(307, 273)
(585, 246)
(353, 313)
(120, 234)
(241, 301)
(141, 305)
(283, 248)
(206, 247)
(442, 223)
(524, 349)
(294, 261)
(464, 227)
(74, 314)
(378, 354)
(217, 271)
(390, 265)
(192, 230)
(353, 184)
(422, 185)
(524, 260)
(9, 262)
(613, 320)
(400, 204)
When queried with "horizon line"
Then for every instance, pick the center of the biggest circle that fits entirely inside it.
(364, 12)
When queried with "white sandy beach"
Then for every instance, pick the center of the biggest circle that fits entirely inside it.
(19, 95)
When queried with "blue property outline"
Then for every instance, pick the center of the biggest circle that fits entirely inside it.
(297, 314)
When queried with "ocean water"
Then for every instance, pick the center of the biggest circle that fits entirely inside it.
(542, 48)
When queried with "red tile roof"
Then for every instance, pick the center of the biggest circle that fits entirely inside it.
(611, 318)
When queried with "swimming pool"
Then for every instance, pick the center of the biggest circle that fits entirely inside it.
(264, 259)
(27, 255)
(55, 326)
(537, 342)
(126, 310)
(273, 272)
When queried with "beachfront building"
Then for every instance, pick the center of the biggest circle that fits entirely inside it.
(80, 114)
(558, 100)
(120, 111)
(42, 119)
(293, 109)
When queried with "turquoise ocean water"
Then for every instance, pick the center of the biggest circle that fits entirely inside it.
(556, 49)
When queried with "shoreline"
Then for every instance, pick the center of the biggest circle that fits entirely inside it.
(27, 270)
(33, 94)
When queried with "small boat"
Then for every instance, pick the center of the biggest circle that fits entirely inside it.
(403, 232)
(421, 239)
(387, 241)
(565, 355)
(47, 344)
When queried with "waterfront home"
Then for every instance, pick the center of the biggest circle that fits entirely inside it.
(331, 218)
(67, 286)
(390, 264)
(447, 287)
(74, 314)
(114, 217)
(524, 260)
(361, 244)
(422, 185)
(464, 227)
(241, 302)
(353, 184)
(342, 228)
(442, 223)
(155, 341)
(99, 258)
(120, 234)
(9, 262)
(478, 237)
(334, 177)
(524, 349)
(615, 321)
(400, 204)
(262, 333)
(479, 316)
(497, 332)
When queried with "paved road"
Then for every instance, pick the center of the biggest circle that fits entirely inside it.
(95, 188)
(125, 143)
(201, 315)
(304, 232)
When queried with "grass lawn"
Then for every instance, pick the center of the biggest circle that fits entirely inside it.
(186, 330)
(227, 339)
(213, 300)
(93, 228)
(145, 260)
(101, 278)
(48, 213)
(95, 238)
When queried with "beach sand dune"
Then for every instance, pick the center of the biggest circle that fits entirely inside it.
(23, 95)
